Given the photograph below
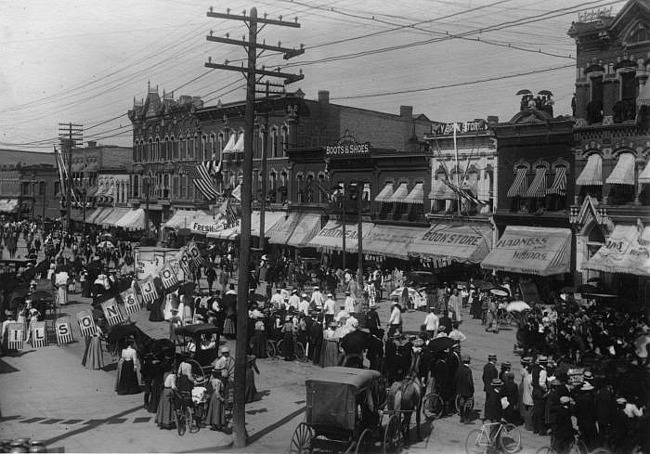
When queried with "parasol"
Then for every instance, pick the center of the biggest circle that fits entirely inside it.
(398, 292)
(518, 306)
(499, 292)
(524, 92)
(545, 93)
(105, 244)
(440, 344)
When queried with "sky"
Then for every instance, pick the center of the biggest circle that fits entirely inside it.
(85, 61)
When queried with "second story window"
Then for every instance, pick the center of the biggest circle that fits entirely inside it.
(595, 106)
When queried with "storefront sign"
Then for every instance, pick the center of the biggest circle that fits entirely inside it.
(469, 126)
(452, 238)
(208, 228)
(348, 149)
(351, 233)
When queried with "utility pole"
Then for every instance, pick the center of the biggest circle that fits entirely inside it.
(359, 190)
(251, 73)
(69, 134)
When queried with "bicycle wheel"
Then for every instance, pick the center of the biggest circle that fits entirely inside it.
(192, 424)
(278, 347)
(300, 352)
(578, 447)
(179, 416)
(476, 442)
(270, 349)
(509, 438)
(432, 406)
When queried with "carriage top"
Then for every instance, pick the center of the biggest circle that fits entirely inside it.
(332, 396)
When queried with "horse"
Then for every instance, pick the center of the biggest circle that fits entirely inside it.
(405, 396)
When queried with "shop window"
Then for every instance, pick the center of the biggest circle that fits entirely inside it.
(625, 109)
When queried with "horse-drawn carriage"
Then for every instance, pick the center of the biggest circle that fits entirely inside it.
(193, 350)
(346, 409)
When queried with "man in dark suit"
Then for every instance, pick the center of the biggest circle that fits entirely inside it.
(490, 372)
(465, 389)
(453, 364)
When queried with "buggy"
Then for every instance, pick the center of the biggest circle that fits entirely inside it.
(190, 346)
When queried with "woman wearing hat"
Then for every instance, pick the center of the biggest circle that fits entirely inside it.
(165, 411)
(330, 351)
(251, 370)
(215, 414)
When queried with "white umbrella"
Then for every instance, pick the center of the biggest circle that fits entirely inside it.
(517, 306)
(412, 292)
(105, 244)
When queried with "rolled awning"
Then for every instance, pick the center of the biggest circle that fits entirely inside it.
(644, 178)
(623, 173)
(385, 194)
(295, 229)
(537, 188)
(330, 237)
(462, 243)
(592, 174)
(627, 251)
(391, 240)
(400, 194)
(440, 191)
(531, 250)
(416, 196)
(559, 182)
(518, 188)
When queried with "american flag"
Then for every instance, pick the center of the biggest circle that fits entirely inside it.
(39, 335)
(63, 331)
(229, 212)
(15, 336)
(202, 176)
(131, 301)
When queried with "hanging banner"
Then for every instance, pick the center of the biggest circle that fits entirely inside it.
(131, 301)
(63, 331)
(112, 312)
(185, 262)
(39, 336)
(195, 254)
(15, 336)
(148, 290)
(168, 277)
(86, 323)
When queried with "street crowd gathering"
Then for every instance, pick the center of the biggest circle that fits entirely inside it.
(584, 363)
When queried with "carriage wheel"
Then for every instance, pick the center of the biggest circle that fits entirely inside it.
(393, 435)
(179, 417)
(300, 352)
(270, 349)
(476, 442)
(432, 406)
(364, 444)
(302, 439)
(510, 438)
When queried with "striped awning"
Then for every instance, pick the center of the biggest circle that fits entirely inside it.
(592, 174)
(440, 191)
(400, 194)
(385, 194)
(644, 178)
(537, 188)
(519, 186)
(559, 182)
(623, 173)
(416, 196)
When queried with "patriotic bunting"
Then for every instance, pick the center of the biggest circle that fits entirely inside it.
(63, 331)
(131, 301)
(15, 336)
(112, 312)
(168, 277)
(39, 335)
(185, 262)
(195, 254)
(86, 323)
(148, 290)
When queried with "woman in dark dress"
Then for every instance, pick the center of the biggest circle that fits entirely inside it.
(287, 334)
(156, 314)
(165, 410)
(251, 369)
(128, 381)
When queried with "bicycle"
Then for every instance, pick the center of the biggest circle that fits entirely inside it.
(184, 413)
(506, 438)
(298, 349)
(577, 447)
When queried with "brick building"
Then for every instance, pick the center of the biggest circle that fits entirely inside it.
(612, 148)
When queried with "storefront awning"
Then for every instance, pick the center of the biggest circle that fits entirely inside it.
(91, 216)
(559, 182)
(391, 240)
(181, 219)
(204, 223)
(385, 194)
(270, 218)
(8, 205)
(440, 191)
(644, 178)
(330, 237)
(115, 215)
(519, 188)
(225, 234)
(623, 173)
(134, 219)
(537, 188)
(462, 243)
(99, 219)
(400, 194)
(531, 250)
(416, 196)
(592, 174)
(627, 251)
(295, 229)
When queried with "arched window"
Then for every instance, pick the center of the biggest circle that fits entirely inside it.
(174, 154)
(183, 147)
(284, 141)
(273, 187)
(309, 189)
(190, 148)
(213, 150)
(221, 142)
(149, 152)
(273, 142)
